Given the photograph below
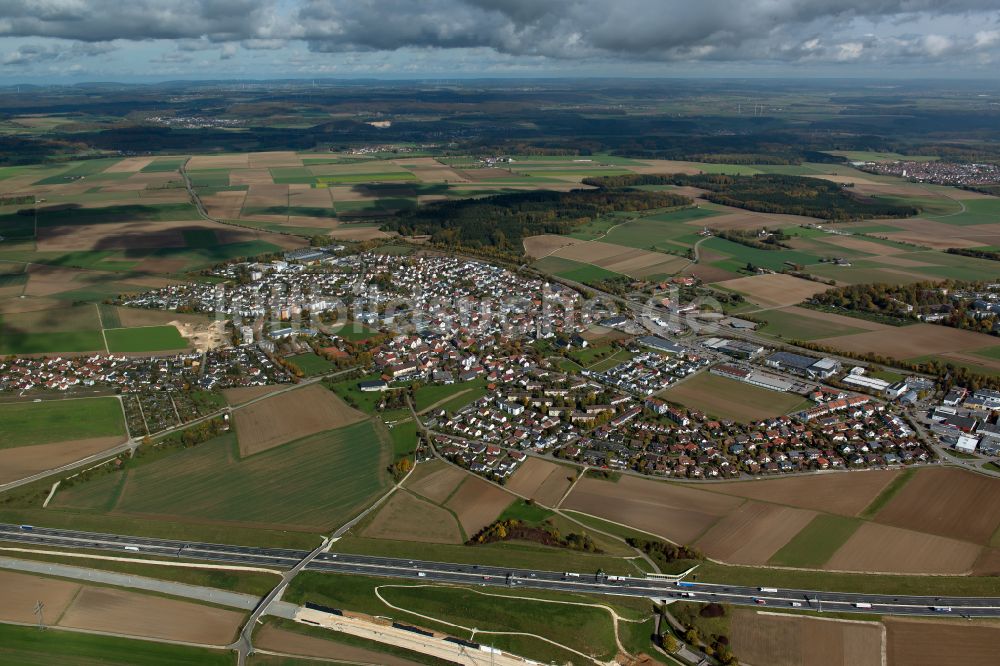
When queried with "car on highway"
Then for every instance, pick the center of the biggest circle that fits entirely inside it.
(941, 609)
(759, 601)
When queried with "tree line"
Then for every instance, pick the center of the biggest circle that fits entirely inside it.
(770, 193)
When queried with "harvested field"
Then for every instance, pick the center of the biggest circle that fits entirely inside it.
(406, 517)
(862, 245)
(129, 165)
(23, 461)
(204, 162)
(250, 177)
(772, 639)
(735, 221)
(935, 235)
(988, 563)
(224, 205)
(132, 614)
(435, 480)
(843, 494)
(775, 290)
(678, 513)
(544, 245)
(291, 416)
(272, 638)
(709, 274)
(615, 258)
(275, 158)
(911, 341)
(974, 360)
(541, 480)
(913, 642)
(478, 503)
(22, 591)
(730, 399)
(351, 233)
(880, 548)
(948, 502)
(753, 533)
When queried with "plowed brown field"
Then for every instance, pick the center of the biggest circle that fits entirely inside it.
(290, 416)
(949, 502)
(677, 513)
(753, 533)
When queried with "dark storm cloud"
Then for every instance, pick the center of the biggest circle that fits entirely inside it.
(629, 29)
(558, 30)
(104, 20)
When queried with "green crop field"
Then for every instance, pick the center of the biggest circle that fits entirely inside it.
(741, 254)
(976, 211)
(311, 364)
(28, 423)
(404, 438)
(17, 342)
(574, 270)
(27, 646)
(816, 542)
(793, 327)
(144, 339)
(161, 164)
(174, 212)
(311, 484)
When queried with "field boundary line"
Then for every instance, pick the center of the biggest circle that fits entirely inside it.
(796, 616)
(327, 660)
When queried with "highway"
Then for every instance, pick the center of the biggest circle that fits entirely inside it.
(470, 574)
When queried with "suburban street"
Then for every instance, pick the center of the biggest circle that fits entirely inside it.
(660, 588)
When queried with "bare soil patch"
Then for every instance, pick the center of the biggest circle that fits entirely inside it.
(874, 547)
(129, 165)
(911, 341)
(224, 205)
(541, 480)
(912, 642)
(972, 359)
(861, 245)
(478, 503)
(406, 517)
(23, 461)
(272, 638)
(770, 639)
(753, 533)
(544, 245)
(435, 480)
(199, 162)
(950, 502)
(709, 274)
(775, 290)
(122, 612)
(277, 158)
(988, 563)
(843, 494)
(677, 513)
(250, 177)
(22, 591)
(290, 416)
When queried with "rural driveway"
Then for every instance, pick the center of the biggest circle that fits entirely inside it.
(195, 592)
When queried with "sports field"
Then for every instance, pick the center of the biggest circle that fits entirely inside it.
(312, 484)
(311, 364)
(729, 399)
(31, 423)
(144, 339)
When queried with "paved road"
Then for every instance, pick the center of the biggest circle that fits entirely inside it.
(196, 592)
(588, 582)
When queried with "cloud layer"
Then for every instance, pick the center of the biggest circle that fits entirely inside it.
(543, 34)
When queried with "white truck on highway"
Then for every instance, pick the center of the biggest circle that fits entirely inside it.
(862, 604)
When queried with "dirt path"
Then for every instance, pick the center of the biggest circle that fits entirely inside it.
(473, 631)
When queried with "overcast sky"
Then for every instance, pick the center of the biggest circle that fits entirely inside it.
(144, 40)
